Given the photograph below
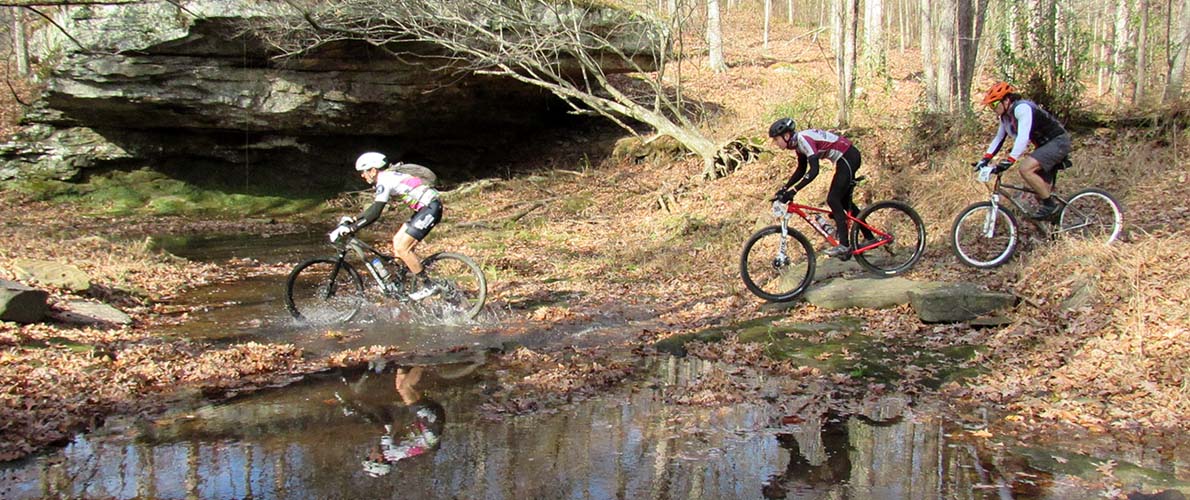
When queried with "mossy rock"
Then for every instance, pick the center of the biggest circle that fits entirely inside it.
(639, 149)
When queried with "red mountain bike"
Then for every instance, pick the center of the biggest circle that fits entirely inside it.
(778, 262)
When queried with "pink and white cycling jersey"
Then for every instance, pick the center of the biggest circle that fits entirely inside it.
(408, 188)
(825, 144)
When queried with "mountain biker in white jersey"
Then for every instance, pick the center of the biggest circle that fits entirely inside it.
(810, 145)
(1027, 122)
(423, 199)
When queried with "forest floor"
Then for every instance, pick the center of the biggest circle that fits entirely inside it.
(573, 240)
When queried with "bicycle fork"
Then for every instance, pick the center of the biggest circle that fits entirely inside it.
(989, 222)
(782, 259)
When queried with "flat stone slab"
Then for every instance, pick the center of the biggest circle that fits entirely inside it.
(957, 302)
(22, 304)
(51, 273)
(90, 313)
(869, 293)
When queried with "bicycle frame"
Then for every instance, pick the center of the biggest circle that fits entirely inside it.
(363, 251)
(804, 211)
(998, 190)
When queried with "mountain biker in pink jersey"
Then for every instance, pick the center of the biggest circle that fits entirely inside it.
(1027, 122)
(810, 146)
(410, 189)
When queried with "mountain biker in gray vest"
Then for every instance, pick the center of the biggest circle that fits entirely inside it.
(423, 199)
(811, 145)
(1027, 122)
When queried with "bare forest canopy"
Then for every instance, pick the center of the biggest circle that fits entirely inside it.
(119, 77)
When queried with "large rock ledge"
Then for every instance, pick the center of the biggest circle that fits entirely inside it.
(188, 91)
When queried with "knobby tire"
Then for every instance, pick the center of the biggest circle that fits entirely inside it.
(973, 246)
(316, 292)
(463, 289)
(1092, 214)
(908, 233)
(772, 280)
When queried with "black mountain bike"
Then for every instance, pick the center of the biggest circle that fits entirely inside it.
(331, 290)
(985, 234)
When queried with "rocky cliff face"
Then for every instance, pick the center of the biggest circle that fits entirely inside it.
(188, 92)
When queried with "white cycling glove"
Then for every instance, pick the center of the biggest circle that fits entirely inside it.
(346, 220)
(339, 232)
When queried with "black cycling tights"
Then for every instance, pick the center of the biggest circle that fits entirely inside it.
(839, 196)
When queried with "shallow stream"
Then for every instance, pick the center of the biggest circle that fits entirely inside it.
(326, 437)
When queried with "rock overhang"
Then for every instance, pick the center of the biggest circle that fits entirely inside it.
(197, 91)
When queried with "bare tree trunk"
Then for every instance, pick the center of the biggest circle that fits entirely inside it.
(20, 41)
(768, 15)
(1120, 49)
(904, 27)
(715, 37)
(671, 7)
(789, 12)
(1177, 68)
(970, 17)
(929, 75)
(1100, 53)
(845, 56)
(836, 12)
(874, 57)
(945, 53)
(1142, 46)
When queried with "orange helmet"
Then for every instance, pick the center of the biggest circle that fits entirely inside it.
(997, 92)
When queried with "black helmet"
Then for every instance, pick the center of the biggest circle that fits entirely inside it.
(781, 126)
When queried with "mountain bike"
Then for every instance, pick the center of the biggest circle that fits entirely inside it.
(778, 262)
(985, 234)
(331, 290)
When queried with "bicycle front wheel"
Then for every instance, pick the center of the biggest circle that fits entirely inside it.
(462, 287)
(904, 240)
(1092, 214)
(774, 268)
(324, 291)
(984, 236)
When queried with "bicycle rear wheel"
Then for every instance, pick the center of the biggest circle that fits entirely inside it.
(1092, 214)
(324, 291)
(777, 272)
(462, 287)
(982, 237)
(906, 238)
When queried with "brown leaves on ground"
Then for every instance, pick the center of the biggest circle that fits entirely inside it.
(1116, 364)
(52, 390)
(533, 380)
(56, 379)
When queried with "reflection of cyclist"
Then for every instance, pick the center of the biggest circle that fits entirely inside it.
(424, 434)
(1027, 122)
(811, 145)
(410, 189)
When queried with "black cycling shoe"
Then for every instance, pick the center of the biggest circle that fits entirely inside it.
(1046, 211)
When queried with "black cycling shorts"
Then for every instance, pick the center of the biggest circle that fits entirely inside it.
(424, 220)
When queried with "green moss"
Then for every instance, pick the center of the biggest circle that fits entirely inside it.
(838, 346)
(153, 193)
(577, 204)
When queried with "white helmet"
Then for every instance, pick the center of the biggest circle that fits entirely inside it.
(368, 161)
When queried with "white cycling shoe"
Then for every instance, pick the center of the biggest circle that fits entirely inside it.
(426, 291)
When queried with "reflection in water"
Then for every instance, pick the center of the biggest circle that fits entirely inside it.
(300, 443)
(400, 439)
